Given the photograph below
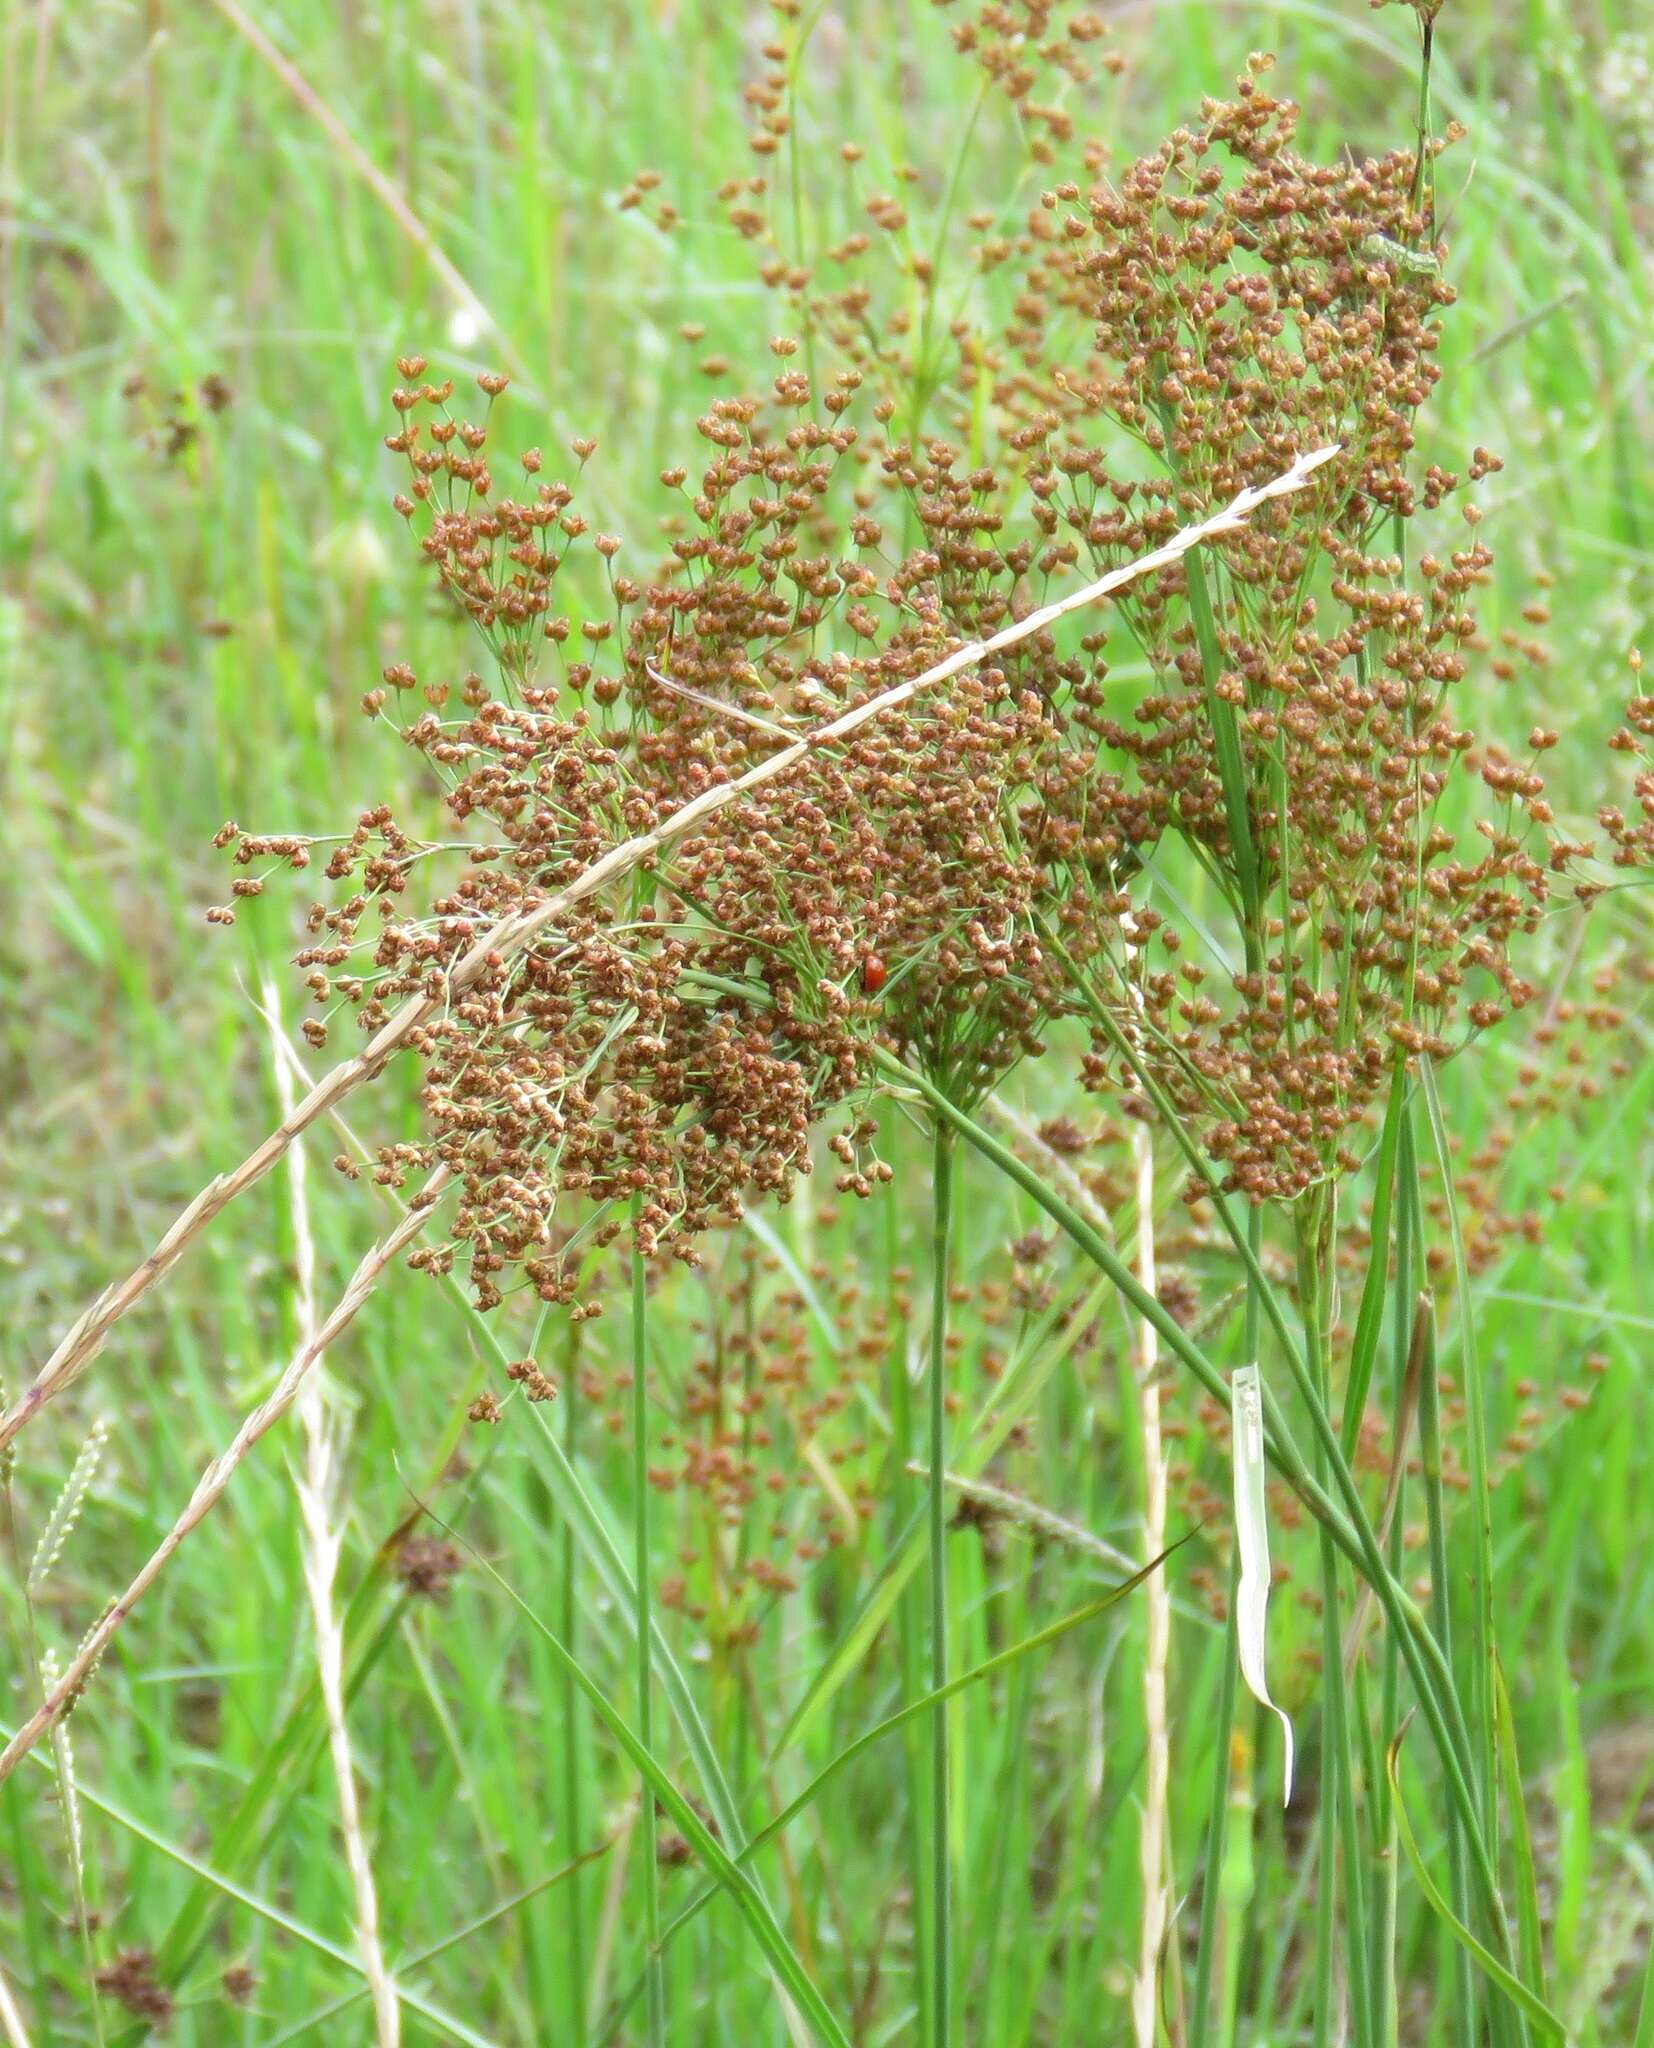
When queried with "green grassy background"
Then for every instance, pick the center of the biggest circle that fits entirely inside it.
(192, 602)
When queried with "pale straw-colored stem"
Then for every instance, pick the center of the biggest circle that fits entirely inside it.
(317, 1492)
(389, 194)
(1020, 1512)
(1153, 1823)
(11, 2018)
(218, 1474)
(86, 1335)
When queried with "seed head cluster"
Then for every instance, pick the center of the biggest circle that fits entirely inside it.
(967, 872)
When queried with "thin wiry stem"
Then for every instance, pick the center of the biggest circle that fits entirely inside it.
(11, 2018)
(317, 1492)
(645, 1676)
(1213, 1904)
(573, 1799)
(941, 1880)
(1154, 1822)
(1347, 1519)
(216, 1477)
(81, 1342)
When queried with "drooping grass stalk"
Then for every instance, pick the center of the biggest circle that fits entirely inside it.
(1422, 1647)
(217, 1474)
(1357, 1538)
(648, 1828)
(941, 1881)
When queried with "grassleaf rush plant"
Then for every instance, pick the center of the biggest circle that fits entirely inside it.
(1058, 678)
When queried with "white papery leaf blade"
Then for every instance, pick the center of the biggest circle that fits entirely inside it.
(1252, 1534)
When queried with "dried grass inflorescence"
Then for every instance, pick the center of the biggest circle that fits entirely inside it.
(960, 873)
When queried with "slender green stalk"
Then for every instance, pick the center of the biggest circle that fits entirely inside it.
(1212, 1894)
(1370, 1320)
(1350, 1524)
(1227, 742)
(1385, 1993)
(1011, 1658)
(1212, 1899)
(574, 1921)
(941, 1883)
(1358, 1540)
(1337, 1817)
(902, 1492)
(1441, 1604)
(648, 1825)
(1482, 1639)
(790, 1975)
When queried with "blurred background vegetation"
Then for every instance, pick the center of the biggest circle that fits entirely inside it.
(218, 228)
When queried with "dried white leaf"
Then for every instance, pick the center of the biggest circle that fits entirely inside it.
(1252, 1534)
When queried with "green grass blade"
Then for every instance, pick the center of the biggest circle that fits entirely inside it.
(749, 1900)
(1489, 1964)
(926, 1703)
(1529, 1935)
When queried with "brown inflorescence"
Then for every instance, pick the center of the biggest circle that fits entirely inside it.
(972, 868)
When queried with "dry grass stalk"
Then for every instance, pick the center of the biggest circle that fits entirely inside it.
(11, 2019)
(1153, 1826)
(86, 1335)
(1019, 1512)
(316, 1490)
(218, 1474)
(384, 189)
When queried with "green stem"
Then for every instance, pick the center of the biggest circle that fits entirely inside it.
(1441, 1604)
(656, 1993)
(573, 1799)
(1385, 1994)
(1350, 1526)
(1424, 1647)
(1483, 1644)
(1338, 1817)
(1217, 1826)
(1227, 741)
(901, 1492)
(941, 1875)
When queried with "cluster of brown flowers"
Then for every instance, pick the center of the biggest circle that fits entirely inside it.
(665, 1051)
(1633, 838)
(132, 1982)
(1244, 303)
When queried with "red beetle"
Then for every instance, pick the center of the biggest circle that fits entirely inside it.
(873, 972)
